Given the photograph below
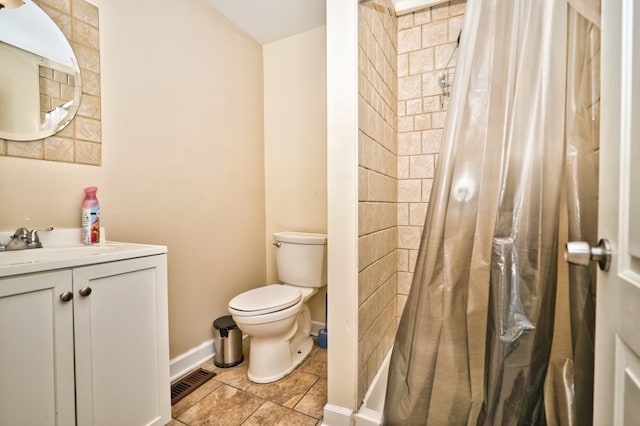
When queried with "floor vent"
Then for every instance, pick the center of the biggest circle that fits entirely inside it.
(189, 383)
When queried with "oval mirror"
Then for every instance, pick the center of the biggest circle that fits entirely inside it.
(40, 85)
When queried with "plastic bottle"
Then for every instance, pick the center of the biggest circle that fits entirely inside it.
(90, 216)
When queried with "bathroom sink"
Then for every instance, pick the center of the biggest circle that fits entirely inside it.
(17, 257)
(62, 249)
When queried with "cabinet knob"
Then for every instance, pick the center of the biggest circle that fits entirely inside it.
(66, 296)
(85, 291)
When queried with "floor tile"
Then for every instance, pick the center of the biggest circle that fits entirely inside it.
(314, 401)
(230, 398)
(226, 406)
(273, 414)
(287, 391)
(316, 363)
(234, 376)
(195, 396)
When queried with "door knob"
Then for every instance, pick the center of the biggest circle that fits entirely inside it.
(581, 253)
(66, 296)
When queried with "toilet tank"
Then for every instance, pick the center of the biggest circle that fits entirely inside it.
(301, 258)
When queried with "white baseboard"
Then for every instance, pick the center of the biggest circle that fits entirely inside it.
(191, 359)
(335, 415)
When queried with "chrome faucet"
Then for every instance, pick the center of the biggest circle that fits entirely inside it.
(24, 239)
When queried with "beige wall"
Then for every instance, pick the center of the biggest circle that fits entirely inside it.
(295, 138)
(183, 160)
(426, 41)
(377, 186)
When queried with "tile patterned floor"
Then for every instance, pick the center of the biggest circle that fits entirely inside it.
(230, 398)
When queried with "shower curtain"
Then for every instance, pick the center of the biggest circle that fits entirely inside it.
(519, 156)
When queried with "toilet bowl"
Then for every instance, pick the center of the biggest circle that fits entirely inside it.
(276, 316)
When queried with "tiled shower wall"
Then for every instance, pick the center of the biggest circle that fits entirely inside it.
(377, 186)
(401, 119)
(427, 41)
(80, 141)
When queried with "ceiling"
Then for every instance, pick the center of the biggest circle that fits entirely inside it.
(271, 20)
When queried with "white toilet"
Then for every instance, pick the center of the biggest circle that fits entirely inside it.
(276, 316)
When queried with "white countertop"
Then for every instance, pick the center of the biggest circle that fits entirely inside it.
(62, 249)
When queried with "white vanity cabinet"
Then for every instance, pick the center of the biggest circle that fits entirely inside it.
(100, 358)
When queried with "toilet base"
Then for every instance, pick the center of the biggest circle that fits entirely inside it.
(265, 370)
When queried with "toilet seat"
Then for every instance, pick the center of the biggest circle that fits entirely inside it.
(264, 300)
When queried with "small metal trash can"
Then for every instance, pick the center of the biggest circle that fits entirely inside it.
(227, 343)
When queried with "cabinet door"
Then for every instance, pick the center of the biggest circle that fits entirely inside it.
(121, 343)
(36, 350)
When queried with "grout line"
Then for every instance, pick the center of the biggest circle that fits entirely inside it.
(254, 411)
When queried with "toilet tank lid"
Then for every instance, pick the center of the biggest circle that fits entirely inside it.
(300, 237)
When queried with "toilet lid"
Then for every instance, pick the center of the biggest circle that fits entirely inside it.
(263, 300)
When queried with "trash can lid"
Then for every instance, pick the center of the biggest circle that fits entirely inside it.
(225, 322)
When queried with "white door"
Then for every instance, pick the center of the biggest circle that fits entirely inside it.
(617, 369)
